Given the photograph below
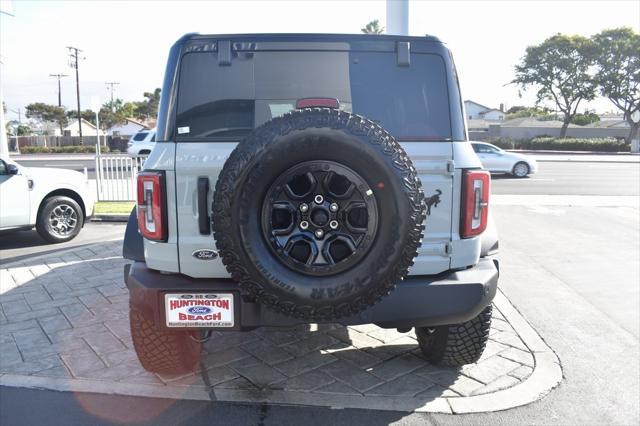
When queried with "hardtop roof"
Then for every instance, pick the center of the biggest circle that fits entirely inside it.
(309, 37)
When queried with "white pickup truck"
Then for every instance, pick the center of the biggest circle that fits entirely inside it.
(56, 201)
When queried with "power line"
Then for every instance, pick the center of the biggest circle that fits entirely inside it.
(112, 84)
(73, 54)
(59, 76)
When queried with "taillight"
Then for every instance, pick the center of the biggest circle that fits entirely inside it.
(152, 218)
(477, 186)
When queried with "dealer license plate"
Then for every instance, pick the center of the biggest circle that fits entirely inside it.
(199, 310)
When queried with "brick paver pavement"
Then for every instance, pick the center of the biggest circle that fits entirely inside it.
(65, 316)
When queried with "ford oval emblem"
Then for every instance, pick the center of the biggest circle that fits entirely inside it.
(205, 254)
(199, 310)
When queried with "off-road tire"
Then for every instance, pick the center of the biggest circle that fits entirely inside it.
(456, 345)
(162, 351)
(42, 223)
(306, 135)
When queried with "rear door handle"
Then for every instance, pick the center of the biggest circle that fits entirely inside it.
(204, 223)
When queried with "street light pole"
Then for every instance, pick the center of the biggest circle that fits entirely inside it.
(73, 52)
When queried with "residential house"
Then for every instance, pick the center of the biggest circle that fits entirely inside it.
(476, 111)
(71, 129)
(128, 128)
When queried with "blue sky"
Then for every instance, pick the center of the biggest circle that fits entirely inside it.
(128, 41)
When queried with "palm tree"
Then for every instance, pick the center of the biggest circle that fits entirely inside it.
(372, 27)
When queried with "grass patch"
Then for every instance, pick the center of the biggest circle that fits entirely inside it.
(113, 207)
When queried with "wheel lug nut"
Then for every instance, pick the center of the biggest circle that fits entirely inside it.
(333, 207)
(304, 208)
(304, 224)
(319, 233)
(333, 224)
(318, 199)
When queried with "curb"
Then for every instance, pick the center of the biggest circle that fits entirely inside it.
(110, 217)
(547, 374)
(568, 160)
(550, 152)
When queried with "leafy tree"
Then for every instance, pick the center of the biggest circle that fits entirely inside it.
(559, 69)
(372, 27)
(87, 115)
(522, 111)
(44, 112)
(23, 130)
(617, 59)
(586, 118)
(149, 107)
(116, 113)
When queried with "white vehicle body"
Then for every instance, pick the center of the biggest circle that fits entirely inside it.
(439, 164)
(22, 194)
(142, 143)
(497, 160)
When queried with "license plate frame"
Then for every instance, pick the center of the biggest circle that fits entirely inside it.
(200, 310)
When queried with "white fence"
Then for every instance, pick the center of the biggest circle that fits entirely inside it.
(116, 177)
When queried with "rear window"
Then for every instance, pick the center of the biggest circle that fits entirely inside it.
(228, 102)
(140, 136)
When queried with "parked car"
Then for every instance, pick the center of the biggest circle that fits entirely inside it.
(56, 201)
(292, 181)
(497, 160)
(142, 143)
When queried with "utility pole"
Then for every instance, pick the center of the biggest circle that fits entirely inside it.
(59, 76)
(112, 83)
(73, 54)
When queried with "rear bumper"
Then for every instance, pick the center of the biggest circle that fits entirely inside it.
(448, 298)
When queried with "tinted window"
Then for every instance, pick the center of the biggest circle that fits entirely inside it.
(153, 138)
(3, 168)
(229, 101)
(410, 102)
(140, 136)
(486, 149)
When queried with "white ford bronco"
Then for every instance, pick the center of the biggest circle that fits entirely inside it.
(303, 178)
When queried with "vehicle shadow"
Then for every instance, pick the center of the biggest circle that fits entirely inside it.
(25, 239)
(507, 176)
(66, 317)
(12, 239)
(331, 360)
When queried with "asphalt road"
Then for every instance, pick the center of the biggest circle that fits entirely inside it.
(17, 245)
(574, 178)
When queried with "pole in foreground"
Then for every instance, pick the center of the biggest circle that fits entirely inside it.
(398, 17)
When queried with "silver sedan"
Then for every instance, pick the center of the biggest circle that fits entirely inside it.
(497, 160)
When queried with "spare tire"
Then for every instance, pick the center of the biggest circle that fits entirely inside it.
(318, 214)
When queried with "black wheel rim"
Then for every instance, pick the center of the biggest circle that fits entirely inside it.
(319, 218)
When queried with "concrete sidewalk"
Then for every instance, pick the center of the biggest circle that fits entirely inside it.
(48, 157)
(64, 326)
(580, 157)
